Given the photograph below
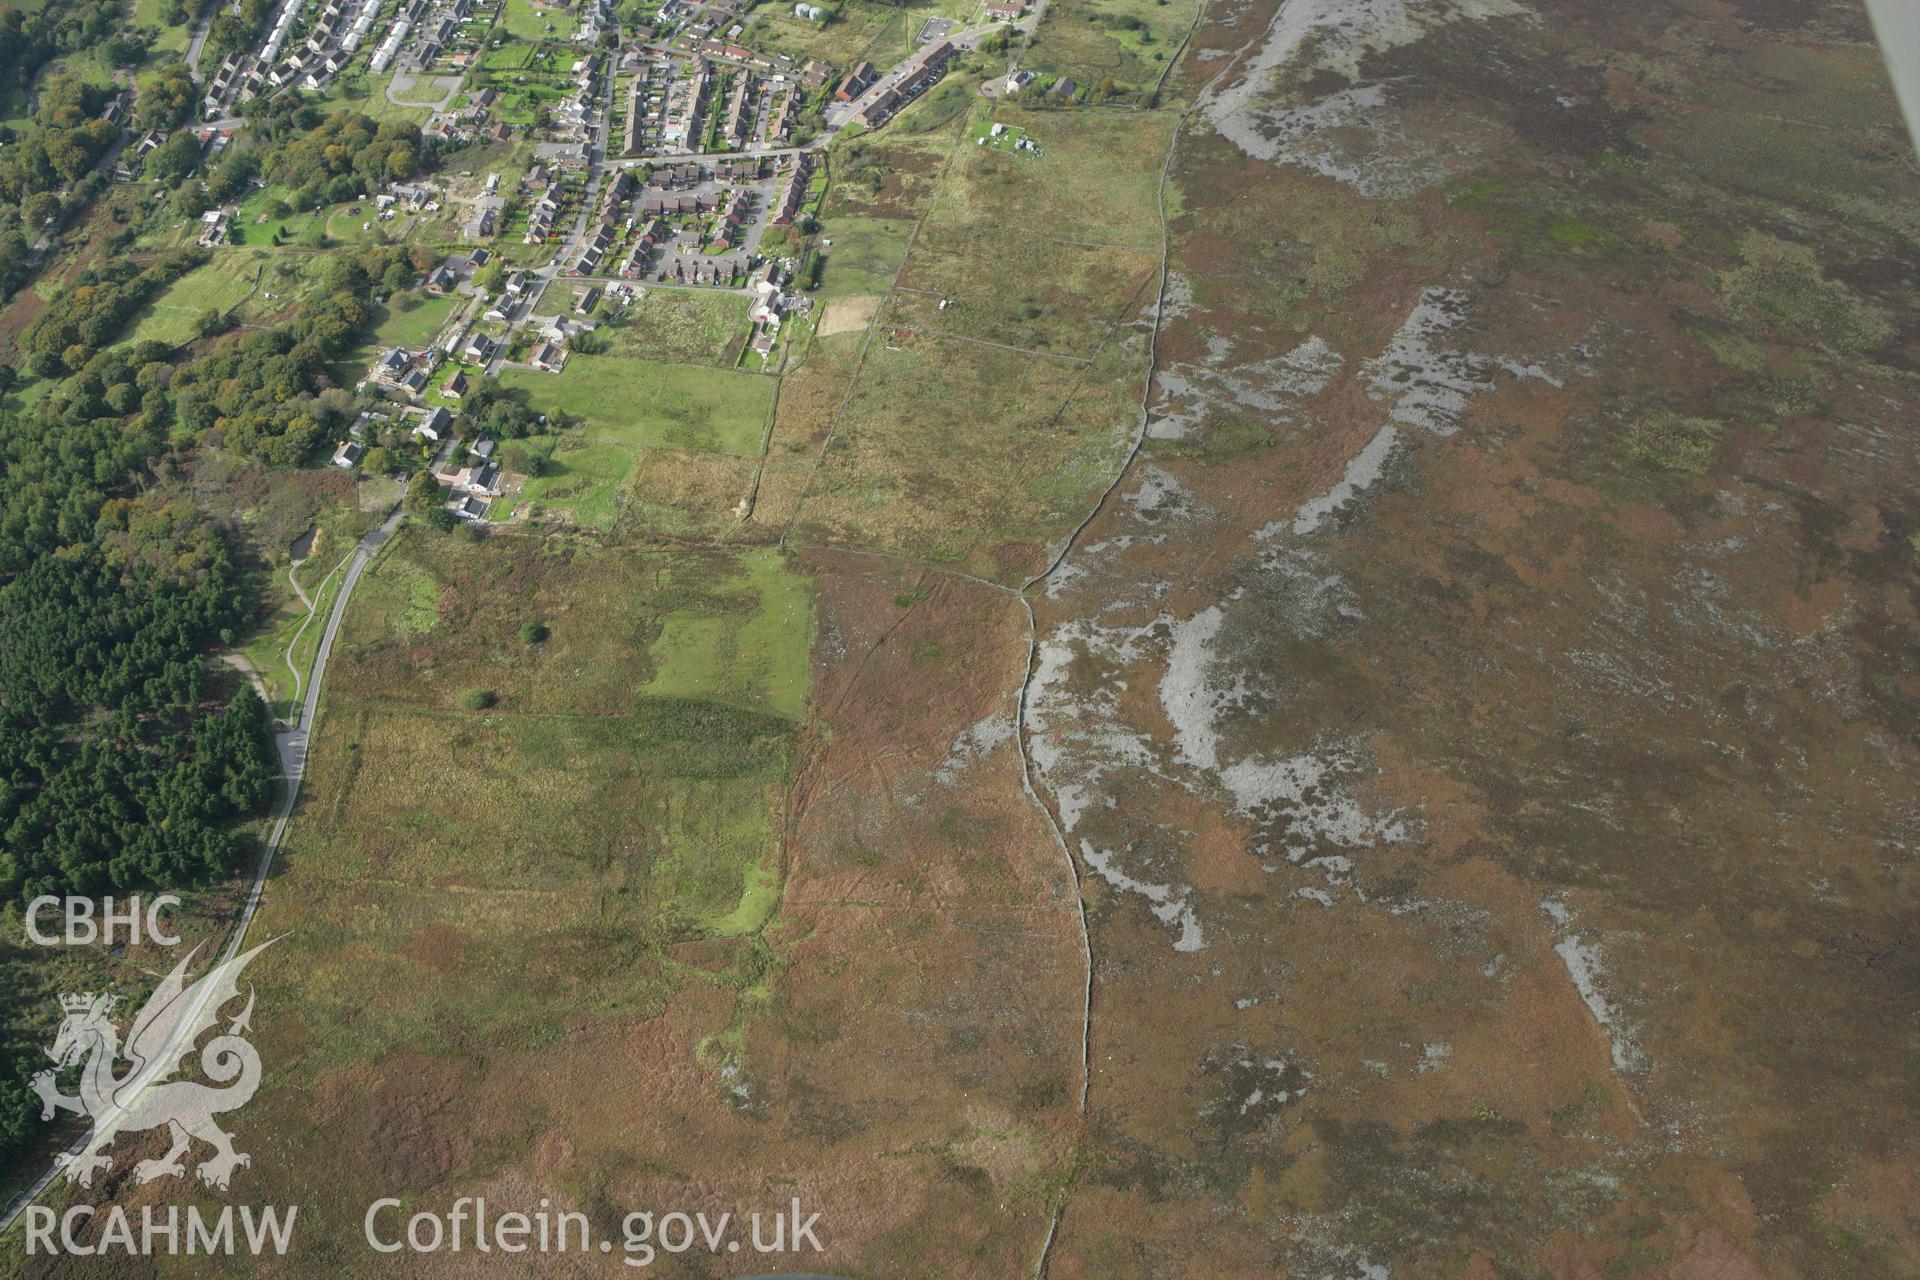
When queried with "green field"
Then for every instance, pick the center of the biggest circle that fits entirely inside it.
(373, 102)
(396, 325)
(865, 254)
(264, 221)
(221, 285)
(412, 326)
(664, 445)
(1129, 41)
(709, 651)
(261, 222)
(647, 404)
(507, 55)
(858, 31)
(146, 13)
(684, 326)
(584, 479)
(1019, 446)
(521, 20)
(1095, 180)
(744, 658)
(1023, 290)
(541, 879)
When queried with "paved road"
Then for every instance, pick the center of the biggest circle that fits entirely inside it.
(570, 253)
(413, 82)
(698, 157)
(201, 25)
(841, 114)
(291, 745)
(291, 742)
(605, 280)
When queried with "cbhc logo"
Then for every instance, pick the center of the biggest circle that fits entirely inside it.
(84, 924)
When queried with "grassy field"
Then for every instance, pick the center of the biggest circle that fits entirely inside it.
(976, 433)
(396, 326)
(508, 55)
(1128, 40)
(707, 653)
(1016, 448)
(1093, 182)
(636, 403)
(522, 21)
(424, 90)
(678, 494)
(373, 101)
(221, 285)
(585, 478)
(547, 878)
(413, 326)
(856, 32)
(263, 220)
(934, 112)
(864, 255)
(1021, 290)
(684, 326)
(146, 13)
(675, 460)
(444, 617)
(737, 655)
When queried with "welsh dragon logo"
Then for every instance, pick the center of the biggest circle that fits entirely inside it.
(145, 1095)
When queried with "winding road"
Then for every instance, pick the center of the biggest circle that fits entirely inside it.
(291, 746)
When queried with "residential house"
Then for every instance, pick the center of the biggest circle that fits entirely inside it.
(485, 216)
(540, 219)
(793, 192)
(857, 82)
(878, 111)
(214, 224)
(436, 426)
(483, 480)
(391, 366)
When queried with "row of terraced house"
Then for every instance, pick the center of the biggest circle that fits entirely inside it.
(923, 71)
(793, 192)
